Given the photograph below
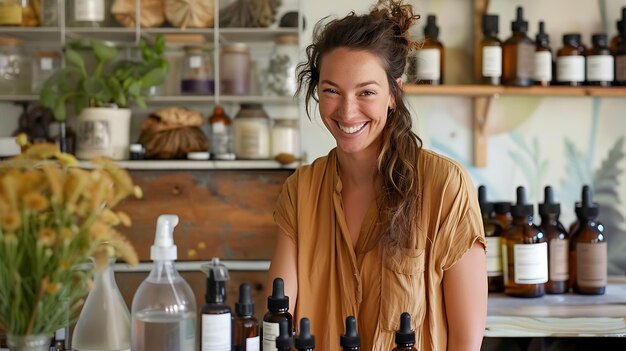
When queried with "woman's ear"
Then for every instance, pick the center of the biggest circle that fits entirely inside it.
(399, 81)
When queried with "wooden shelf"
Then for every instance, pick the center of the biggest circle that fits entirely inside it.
(488, 90)
(157, 165)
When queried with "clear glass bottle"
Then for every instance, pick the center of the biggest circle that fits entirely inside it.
(558, 244)
(542, 73)
(251, 131)
(281, 73)
(220, 135)
(235, 68)
(49, 15)
(44, 64)
(18, 13)
(106, 312)
(570, 61)
(427, 63)
(600, 67)
(491, 51)
(518, 54)
(197, 77)
(87, 13)
(11, 66)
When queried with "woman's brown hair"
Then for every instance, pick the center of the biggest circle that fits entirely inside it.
(384, 33)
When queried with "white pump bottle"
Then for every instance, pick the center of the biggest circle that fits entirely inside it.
(164, 306)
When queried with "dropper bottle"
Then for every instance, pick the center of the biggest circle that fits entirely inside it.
(350, 341)
(518, 54)
(278, 310)
(617, 38)
(542, 73)
(405, 337)
(284, 341)
(305, 341)
(246, 326)
(164, 306)
(495, 280)
(429, 59)
(557, 239)
(216, 315)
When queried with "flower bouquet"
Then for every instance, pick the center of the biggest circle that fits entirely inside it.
(54, 218)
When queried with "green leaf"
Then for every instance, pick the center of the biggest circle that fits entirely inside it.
(140, 101)
(103, 52)
(117, 92)
(93, 86)
(154, 77)
(46, 97)
(135, 88)
(74, 58)
(60, 112)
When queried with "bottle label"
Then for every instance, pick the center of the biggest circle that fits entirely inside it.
(620, 68)
(216, 332)
(252, 138)
(530, 263)
(428, 64)
(525, 61)
(600, 68)
(543, 66)
(218, 128)
(505, 262)
(591, 264)
(492, 61)
(270, 332)
(570, 69)
(253, 344)
(89, 10)
(558, 253)
(494, 256)
(10, 14)
(195, 61)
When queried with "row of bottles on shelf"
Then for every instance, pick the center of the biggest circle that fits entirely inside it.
(526, 260)
(518, 61)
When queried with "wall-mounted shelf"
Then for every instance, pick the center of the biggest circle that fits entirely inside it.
(198, 165)
(489, 90)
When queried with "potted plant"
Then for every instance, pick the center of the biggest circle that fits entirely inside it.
(101, 95)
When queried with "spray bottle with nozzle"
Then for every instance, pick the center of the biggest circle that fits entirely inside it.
(164, 306)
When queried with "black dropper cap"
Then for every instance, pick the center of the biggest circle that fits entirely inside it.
(572, 39)
(549, 206)
(599, 40)
(521, 208)
(491, 25)
(587, 209)
(405, 336)
(542, 38)
(502, 207)
(519, 25)
(485, 206)
(244, 307)
(305, 341)
(278, 301)
(217, 275)
(284, 340)
(620, 23)
(431, 30)
(351, 339)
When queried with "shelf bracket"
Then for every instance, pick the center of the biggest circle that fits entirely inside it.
(480, 113)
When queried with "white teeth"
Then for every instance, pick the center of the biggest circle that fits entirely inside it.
(351, 130)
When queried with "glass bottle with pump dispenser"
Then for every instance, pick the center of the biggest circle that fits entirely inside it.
(543, 58)
(350, 341)
(557, 239)
(524, 252)
(217, 320)
(600, 66)
(278, 310)
(570, 61)
(305, 341)
(588, 249)
(518, 53)
(405, 337)
(246, 326)
(164, 306)
(491, 51)
(426, 66)
(495, 280)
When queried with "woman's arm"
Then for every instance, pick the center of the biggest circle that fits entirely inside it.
(465, 296)
(284, 265)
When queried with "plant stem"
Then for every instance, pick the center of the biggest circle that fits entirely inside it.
(42, 289)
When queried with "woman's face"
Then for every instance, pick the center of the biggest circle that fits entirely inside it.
(354, 97)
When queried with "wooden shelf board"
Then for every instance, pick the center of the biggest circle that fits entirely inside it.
(487, 90)
(198, 165)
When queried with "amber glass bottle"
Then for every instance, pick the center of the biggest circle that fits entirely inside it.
(494, 247)
(305, 341)
(570, 61)
(620, 57)
(428, 60)
(284, 341)
(502, 215)
(542, 73)
(518, 54)
(524, 252)
(616, 39)
(491, 51)
(557, 239)
(246, 326)
(588, 249)
(278, 310)
(350, 341)
(405, 337)
(600, 63)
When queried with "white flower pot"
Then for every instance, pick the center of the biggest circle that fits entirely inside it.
(103, 131)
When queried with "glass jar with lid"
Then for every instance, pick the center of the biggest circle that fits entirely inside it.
(252, 132)
(281, 73)
(285, 137)
(197, 77)
(18, 13)
(235, 69)
(44, 64)
(87, 13)
(11, 62)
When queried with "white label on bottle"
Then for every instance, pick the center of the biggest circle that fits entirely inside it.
(620, 68)
(559, 257)
(543, 66)
(218, 128)
(216, 332)
(252, 138)
(253, 344)
(89, 10)
(600, 68)
(531, 263)
(591, 264)
(428, 64)
(492, 61)
(46, 64)
(494, 256)
(195, 61)
(270, 332)
(570, 69)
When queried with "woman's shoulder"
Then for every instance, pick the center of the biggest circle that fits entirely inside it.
(315, 170)
(431, 163)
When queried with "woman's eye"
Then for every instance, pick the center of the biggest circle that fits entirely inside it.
(330, 91)
(368, 93)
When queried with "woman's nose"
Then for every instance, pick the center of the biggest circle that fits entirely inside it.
(349, 107)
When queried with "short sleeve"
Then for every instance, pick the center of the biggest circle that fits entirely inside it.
(285, 211)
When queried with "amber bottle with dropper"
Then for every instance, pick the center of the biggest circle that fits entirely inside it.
(278, 310)
(284, 341)
(588, 249)
(617, 38)
(405, 337)
(495, 280)
(350, 341)
(620, 57)
(600, 65)
(305, 341)
(570, 61)
(246, 326)
(491, 51)
(543, 58)
(518, 54)
(558, 245)
(429, 58)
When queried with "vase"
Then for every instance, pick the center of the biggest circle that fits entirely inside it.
(103, 131)
(36, 342)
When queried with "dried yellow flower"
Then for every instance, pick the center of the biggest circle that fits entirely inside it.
(55, 181)
(202, 245)
(10, 221)
(35, 202)
(99, 231)
(53, 288)
(66, 233)
(109, 217)
(192, 253)
(21, 139)
(124, 219)
(46, 237)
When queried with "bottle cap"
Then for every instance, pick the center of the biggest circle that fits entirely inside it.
(571, 39)
(305, 340)
(519, 25)
(486, 207)
(245, 305)
(521, 208)
(217, 276)
(490, 25)
(587, 209)
(164, 248)
(350, 338)
(542, 38)
(599, 40)
(135, 148)
(431, 30)
(278, 301)
(284, 340)
(549, 206)
(198, 155)
(405, 336)
(502, 207)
